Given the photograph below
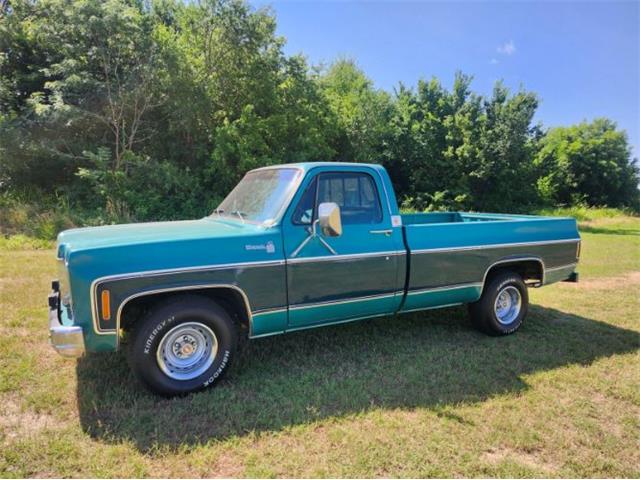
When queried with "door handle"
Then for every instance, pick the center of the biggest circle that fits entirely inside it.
(381, 232)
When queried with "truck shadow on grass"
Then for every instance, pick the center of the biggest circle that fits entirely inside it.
(423, 360)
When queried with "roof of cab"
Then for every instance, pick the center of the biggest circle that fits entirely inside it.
(306, 166)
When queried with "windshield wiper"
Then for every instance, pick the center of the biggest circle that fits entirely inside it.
(240, 214)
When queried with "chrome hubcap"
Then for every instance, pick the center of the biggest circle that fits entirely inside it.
(508, 305)
(187, 351)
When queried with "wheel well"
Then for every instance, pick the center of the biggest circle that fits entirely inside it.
(232, 300)
(531, 270)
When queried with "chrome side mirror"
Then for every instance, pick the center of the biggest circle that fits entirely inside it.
(329, 219)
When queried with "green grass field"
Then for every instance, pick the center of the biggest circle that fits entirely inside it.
(413, 396)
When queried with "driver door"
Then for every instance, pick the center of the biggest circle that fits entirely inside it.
(341, 278)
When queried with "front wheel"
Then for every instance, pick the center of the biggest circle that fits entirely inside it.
(503, 305)
(183, 345)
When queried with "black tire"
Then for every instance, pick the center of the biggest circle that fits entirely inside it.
(483, 312)
(204, 317)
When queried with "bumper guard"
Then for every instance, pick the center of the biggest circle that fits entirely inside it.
(68, 341)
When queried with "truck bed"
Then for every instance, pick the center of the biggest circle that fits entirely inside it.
(451, 253)
(461, 217)
(460, 229)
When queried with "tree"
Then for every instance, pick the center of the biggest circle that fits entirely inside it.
(96, 64)
(588, 163)
(457, 150)
(362, 113)
(102, 79)
(153, 109)
(503, 177)
(432, 142)
(236, 102)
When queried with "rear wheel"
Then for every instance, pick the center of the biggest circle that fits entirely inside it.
(183, 345)
(503, 305)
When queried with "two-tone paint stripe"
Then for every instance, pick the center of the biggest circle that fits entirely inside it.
(329, 303)
(154, 273)
(345, 257)
(491, 246)
(258, 264)
(420, 291)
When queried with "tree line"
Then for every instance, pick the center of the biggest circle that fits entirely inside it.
(154, 109)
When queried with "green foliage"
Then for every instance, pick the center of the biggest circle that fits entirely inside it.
(362, 114)
(588, 163)
(124, 110)
(37, 216)
(583, 213)
(23, 242)
(168, 192)
(462, 151)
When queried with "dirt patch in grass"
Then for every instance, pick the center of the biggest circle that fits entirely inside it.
(605, 283)
(532, 460)
(227, 466)
(16, 422)
(16, 332)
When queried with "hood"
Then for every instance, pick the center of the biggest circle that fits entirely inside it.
(151, 233)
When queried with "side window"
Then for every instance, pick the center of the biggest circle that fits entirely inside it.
(356, 195)
(303, 214)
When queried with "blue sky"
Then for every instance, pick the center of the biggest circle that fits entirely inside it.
(581, 58)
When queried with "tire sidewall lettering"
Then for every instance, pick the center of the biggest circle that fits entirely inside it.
(223, 364)
(148, 344)
(505, 283)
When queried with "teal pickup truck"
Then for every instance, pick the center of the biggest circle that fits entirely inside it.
(291, 247)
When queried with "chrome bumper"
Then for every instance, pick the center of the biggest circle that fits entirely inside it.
(68, 341)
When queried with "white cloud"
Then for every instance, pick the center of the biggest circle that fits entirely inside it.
(508, 48)
(494, 61)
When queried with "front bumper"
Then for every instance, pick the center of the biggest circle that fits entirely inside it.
(67, 340)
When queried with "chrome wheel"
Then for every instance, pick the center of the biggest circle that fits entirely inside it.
(508, 304)
(187, 351)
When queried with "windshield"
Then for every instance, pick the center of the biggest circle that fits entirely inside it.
(259, 196)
